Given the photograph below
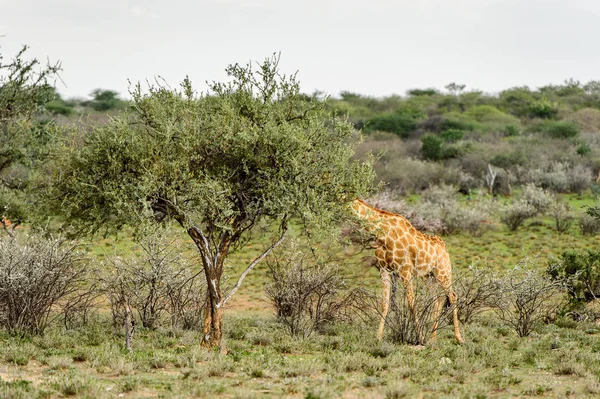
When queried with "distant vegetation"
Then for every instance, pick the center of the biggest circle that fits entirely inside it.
(546, 136)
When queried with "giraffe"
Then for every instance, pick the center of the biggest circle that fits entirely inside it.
(403, 250)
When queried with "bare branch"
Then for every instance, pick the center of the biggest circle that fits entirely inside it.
(255, 261)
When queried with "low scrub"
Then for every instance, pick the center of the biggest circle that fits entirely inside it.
(157, 284)
(308, 294)
(527, 298)
(39, 278)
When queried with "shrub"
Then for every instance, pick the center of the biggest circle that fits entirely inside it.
(581, 273)
(414, 175)
(515, 213)
(59, 107)
(588, 120)
(429, 222)
(474, 219)
(307, 294)
(558, 129)
(437, 148)
(455, 123)
(441, 203)
(527, 298)
(158, 283)
(543, 108)
(37, 278)
(563, 216)
(400, 320)
(580, 179)
(452, 135)
(431, 148)
(537, 197)
(402, 124)
(477, 291)
(554, 177)
(589, 225)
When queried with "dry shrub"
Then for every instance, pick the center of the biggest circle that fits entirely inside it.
(532, 201)
(38, 279)
(563, 216)
(477, 291)
(158, 283)
(400, 320)
(588, 119)
(537, 197)
(307, 293)
(473, 218)
(442, 203)
(562, 177)
(588, 225)
(580, 179)
(527, 298)
(409, 175)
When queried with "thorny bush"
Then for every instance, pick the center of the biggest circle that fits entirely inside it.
(307, 293)
(39, 279)
(527, 298)
(158, 283)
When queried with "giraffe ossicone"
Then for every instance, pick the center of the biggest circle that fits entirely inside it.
(406, 252)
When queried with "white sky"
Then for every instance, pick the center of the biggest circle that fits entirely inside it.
(371, 47)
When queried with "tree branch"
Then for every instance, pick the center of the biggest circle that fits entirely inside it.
(256, 260)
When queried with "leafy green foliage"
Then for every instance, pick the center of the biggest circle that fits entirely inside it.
(452, 135)
(250, 149)
(400, 123)
(25, 87)
(543, 108)
(581, 271)
(440, 147)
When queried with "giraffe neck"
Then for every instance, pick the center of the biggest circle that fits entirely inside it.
(377, 218)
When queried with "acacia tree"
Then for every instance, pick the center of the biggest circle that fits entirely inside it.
(249, 151)
(25, 86)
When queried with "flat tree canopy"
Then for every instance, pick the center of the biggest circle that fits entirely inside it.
(217, 163)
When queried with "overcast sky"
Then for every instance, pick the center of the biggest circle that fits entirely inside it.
(371, 47)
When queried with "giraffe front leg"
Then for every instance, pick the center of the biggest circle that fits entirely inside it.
(386, 281)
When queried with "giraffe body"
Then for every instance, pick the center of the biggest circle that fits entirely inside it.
(406, 252)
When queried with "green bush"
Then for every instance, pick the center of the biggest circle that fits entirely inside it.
(432, 147)
(59, 107)
(402, 124)
(581, 273)
(543, 108)
(511, 130)
(557, 129)
(452, 135)
(458, 124)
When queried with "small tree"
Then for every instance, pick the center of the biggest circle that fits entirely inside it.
(25, 86)
(250, 152)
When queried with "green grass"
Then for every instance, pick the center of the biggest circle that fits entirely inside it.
(558, 360)
(168, 363)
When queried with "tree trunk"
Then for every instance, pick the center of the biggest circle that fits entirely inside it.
(212, 332)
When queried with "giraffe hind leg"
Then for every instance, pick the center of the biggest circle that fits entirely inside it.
(386, 281)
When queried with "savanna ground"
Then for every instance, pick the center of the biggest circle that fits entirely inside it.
(558, 360)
